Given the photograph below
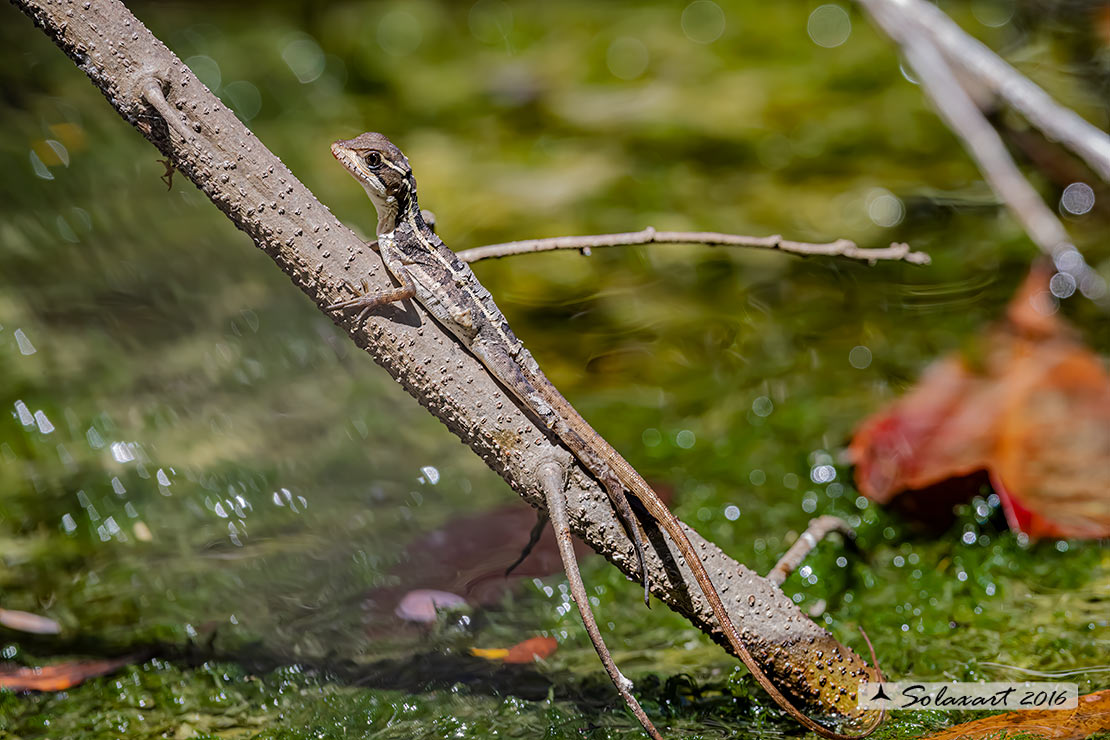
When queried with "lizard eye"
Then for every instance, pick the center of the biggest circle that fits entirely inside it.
(373, 160)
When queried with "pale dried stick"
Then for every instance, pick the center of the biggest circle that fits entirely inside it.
(817, 530)
(838, 248)
(1037, 106)
(982, 142)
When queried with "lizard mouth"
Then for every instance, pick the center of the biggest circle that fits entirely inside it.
(352, 162)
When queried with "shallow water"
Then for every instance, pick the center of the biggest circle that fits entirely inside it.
(195, 458)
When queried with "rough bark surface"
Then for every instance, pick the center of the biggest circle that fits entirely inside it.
(263, 198)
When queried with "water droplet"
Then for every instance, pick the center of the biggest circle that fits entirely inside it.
(43, 423)
(732, 512)
(431, 474)
(762, 406)
(122, 452)
(25, 346)
(40, 169)
(26, 418)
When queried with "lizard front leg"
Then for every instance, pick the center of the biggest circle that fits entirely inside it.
(368, 301)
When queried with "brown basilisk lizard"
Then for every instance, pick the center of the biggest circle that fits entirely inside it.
(448, 290)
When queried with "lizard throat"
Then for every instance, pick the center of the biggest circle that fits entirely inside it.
(392, 210)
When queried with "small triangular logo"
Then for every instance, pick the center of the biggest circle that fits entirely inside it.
(880, 694)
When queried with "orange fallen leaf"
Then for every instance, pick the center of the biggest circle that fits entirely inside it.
(1032, 414)
(523, 652)
(490, 653)
(60, 676)
(531, 649)
(1091, 716)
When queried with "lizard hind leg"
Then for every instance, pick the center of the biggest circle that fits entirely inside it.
(624, 512)
(533, 538)
(551, 477)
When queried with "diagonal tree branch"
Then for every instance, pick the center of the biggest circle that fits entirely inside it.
(153, 90)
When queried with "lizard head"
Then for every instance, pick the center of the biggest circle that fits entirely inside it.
(384, 173)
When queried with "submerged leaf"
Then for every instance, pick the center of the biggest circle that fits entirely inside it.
(534, 648)
(1091, 716)
(60, 676)
(1033, 414)
(27, 622)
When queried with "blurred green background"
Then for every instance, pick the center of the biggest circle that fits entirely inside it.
(193, 454)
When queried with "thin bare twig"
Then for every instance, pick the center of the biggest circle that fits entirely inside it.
(817, 530)
(551, 476)
(982, 142)
(838, 248)
(1037, 106)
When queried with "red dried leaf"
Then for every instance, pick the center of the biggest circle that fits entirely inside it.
(531, 649)
(60, 676)
(1034, 416)
(1091, 716)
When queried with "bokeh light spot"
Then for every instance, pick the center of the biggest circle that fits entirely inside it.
(490, 21)
(703, 21)
(1078, 198)
(399, 33)
(627, 58)
(885, 209)
(207, 71)
(762, 406)
(859, 357)
(829, 26)
(1062, 285)
(305, 59)
(993, 13)
(243, 98)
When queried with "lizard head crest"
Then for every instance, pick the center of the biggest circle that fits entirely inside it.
(384, 173)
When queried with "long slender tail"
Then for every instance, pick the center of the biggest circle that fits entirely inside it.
(599, 448)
